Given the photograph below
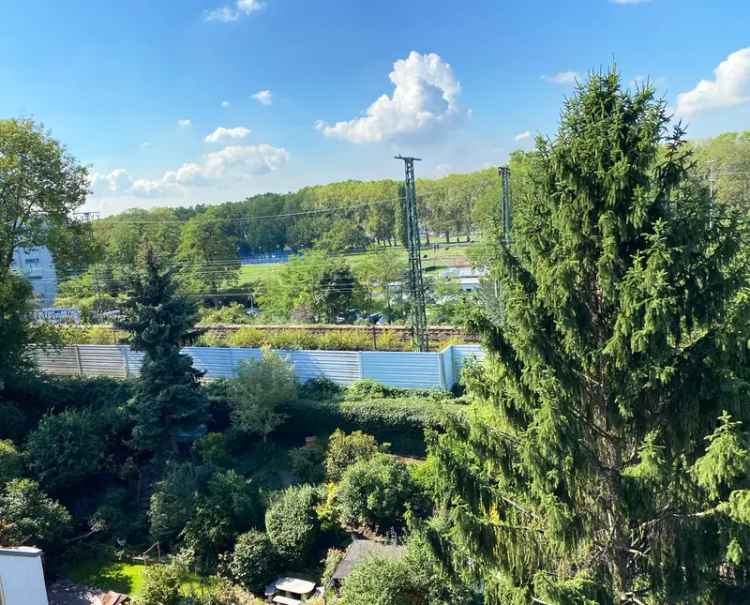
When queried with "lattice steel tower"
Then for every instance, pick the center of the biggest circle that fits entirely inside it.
(416, 284)
(505, 203)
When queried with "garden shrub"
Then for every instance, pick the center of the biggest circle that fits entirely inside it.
(223, 592)
(307, 463)
(11, 462)
(228, 505)
(28, 516)
(161, 586)
(69, 447)
(334, 556)
(261, 386)
(292, 523)
(233, 313)
(212, 449)
(253, 561)
(172, 502)
(381, 581)
(320, 389)
(367, 388)
(13, 423)
(376, 493)
(344, 450)
(116, 514)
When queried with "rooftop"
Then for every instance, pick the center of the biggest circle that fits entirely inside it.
(20, 551)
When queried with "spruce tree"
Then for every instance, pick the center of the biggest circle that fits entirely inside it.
(605, 456)
(169, 406)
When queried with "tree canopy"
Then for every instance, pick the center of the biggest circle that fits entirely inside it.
(605, 458)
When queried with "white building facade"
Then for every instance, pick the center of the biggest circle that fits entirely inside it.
(38, 266)
(22, 577)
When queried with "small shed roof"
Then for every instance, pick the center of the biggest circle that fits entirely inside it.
(20, 551)
(360, 550)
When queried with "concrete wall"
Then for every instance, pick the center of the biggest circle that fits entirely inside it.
(22, 577)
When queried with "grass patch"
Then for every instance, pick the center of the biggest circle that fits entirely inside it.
(124, 577)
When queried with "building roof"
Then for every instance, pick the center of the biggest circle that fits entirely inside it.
(360, 550)
(20, 551)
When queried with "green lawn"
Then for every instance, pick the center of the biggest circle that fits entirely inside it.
(432, 259)
(127, 578)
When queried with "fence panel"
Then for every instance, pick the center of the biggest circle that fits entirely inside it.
(341, 367)
(60, 362)
(460, 354)
(101, 360)
(406, 370)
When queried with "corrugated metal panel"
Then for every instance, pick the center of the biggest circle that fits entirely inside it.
(135, 361)
(446, 360)
(101, 360)
(340, 366)
(61, 362)
(407, 370)
(461, 353)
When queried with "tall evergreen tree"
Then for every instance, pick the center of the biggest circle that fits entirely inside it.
(605, 457)
(169, 406)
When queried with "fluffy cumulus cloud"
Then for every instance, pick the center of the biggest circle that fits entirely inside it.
(424, 101)
(236, 162)
(523, 136)
(222, 134)
(563, 77)
(233, 12)
(730, 87)
(184, 123)
(264, 97)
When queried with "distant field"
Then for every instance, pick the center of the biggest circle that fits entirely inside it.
(453, 256)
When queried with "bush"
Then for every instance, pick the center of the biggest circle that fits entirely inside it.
(161, 586)
(228, 505)
(333, 558)
(377, 493)
(233, 313)
(344, 450)
(11, 462)
(212, 449)
(29, 516)
(14, 421)
(381, 581)
(367, 388)
(260, 388)
(292, 523)
(253, 561)
(222, 592)
(69, 447)
(320, 389)
(307, 464)
(173, 501)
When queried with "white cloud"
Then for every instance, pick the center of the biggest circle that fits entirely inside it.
(222, 134)
(730, 86)
(184, 123)
(231, 13)
(264, 97)
(630, 1)
(116, 181)
(522, 136)
(225, 104)
(235, 163)
(424, 100)
(563, 77)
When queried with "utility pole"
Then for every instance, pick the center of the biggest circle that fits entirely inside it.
(505, 203)
(416, 285)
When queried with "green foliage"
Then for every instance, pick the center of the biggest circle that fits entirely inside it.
(14, 420)
(320, 389)
(72, 446)
(233, 313)
(168, 406)
(381, 581)
(617, 327)
(229, 504)
(292, 524)
(344, 450)
(300, 339)
(42, 186)
(261, 387)
(173, 500)
(212, 449)
(307, 463)
(29, 517)
(334, 556)
(11, 462)
(253, 561)
(377, 493)
(161, 586)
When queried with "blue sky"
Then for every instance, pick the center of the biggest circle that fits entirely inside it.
(157, 97)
